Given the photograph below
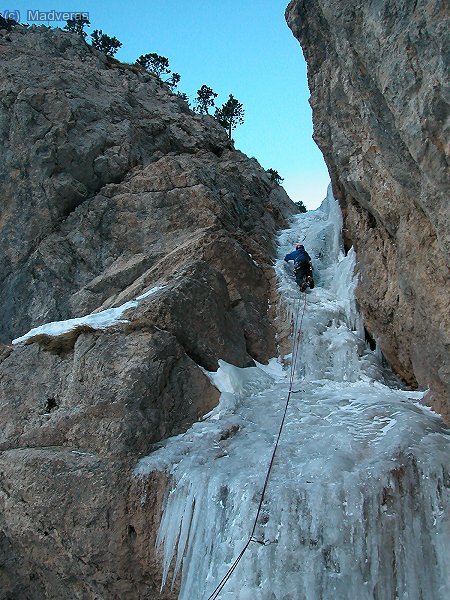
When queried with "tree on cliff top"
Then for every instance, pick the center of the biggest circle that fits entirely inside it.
(159, 65)
(184, 97)
(275, 176)
(105, 43)
(204, 100)
(173, 81)
(78, 24)
(230, 115)
(299, 204)
(154, 63)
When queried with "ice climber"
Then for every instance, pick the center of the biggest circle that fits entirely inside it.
(303, 269)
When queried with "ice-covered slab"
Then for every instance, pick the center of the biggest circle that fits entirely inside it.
(357, 498)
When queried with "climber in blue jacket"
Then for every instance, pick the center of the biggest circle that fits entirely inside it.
(303, 269)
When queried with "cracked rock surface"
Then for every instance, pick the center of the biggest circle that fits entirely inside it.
(110, 186)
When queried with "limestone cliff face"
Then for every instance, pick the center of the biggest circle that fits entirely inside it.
(378, 81)
(109, 186)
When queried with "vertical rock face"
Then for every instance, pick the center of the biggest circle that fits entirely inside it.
(109, 186)
(377, 75)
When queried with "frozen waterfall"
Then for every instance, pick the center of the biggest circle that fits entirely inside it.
(355, 507)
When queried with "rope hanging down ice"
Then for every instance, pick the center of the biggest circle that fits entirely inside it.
(295, 353)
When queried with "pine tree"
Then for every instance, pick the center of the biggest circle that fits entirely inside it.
(299, 204)
(159, 65)
(173, 81)
(230, 114)
(78, 24)
(184, 97)
(275, 176)
(104, 43)
(204, 100)
(154, 63)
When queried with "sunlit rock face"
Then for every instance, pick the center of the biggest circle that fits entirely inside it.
(104, 173)
(376, 72)
(111, 187)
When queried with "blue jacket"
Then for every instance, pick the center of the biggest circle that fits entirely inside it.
(297, 256)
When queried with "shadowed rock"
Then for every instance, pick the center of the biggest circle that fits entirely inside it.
(378, 77)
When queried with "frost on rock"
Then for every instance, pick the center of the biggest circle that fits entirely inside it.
(356, 501)
(98, 320)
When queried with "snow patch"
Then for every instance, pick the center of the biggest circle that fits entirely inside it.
(100, 320)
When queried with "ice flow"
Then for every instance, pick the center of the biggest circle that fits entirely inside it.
(355, 507)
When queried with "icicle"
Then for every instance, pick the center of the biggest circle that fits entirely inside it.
(356, 501)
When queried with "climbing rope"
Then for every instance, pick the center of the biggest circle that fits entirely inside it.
(295, 353)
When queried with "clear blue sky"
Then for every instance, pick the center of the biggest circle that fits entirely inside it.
(243, 47)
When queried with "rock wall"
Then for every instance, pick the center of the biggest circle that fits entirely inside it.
(377, 72)
(109, 186)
